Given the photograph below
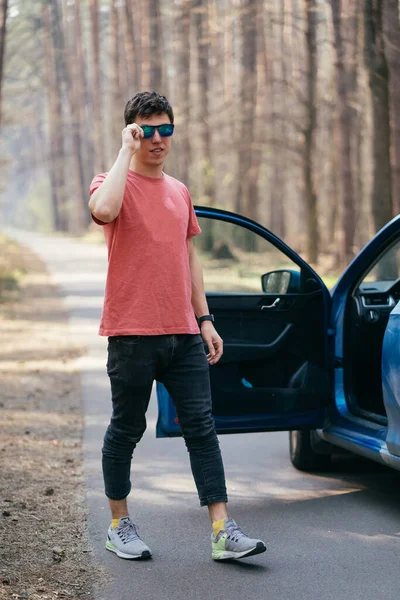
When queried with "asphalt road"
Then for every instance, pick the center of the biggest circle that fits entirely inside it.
(333, 536)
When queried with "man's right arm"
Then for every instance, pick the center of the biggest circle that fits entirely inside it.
(105, 203)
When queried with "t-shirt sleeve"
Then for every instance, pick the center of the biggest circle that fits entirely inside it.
(96, 183)
(193, 225)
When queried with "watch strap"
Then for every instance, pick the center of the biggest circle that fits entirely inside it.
(206, 318)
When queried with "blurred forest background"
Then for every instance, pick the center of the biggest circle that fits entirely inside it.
(287, 111)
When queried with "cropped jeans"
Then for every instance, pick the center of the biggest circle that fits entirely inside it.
(179, 362)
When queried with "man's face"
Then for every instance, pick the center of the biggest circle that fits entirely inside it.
(153, 151)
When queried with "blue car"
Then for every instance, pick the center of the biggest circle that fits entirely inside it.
(323, 365)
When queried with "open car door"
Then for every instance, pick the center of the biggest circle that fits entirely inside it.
(272, 311)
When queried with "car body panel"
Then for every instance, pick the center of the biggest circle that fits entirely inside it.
(391, 380)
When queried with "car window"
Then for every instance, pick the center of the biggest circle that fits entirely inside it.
(234, 258)
(387, 268)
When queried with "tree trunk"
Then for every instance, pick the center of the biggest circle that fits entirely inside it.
(391, 25)
(99, 162)
(56, 130)
(81, 84)
(75, 92)
(156, 51)
(114, 91)
(124, 23)
(246, 190)
(3, 22)
(182, 99)
(145, 44)
(278, 97)
(131, 12)
(202, 35)
(345, 132)
(310, 8)
(203, 38)
(379, 84)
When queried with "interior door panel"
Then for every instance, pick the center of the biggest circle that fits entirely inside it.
(269, 354)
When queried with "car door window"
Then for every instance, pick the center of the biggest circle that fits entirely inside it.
(234, 258)
(387, 268)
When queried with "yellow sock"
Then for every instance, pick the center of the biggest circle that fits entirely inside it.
(114, 523)
(217, 526)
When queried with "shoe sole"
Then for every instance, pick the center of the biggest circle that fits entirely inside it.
(229, 555)
(144, 555)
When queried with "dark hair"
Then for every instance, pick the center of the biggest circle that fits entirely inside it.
(147, 104)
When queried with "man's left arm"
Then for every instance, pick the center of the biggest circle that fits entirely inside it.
(200, 307)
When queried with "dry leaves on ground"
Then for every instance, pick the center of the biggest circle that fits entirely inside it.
(44, 552)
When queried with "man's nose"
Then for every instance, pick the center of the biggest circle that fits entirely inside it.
(156, 137)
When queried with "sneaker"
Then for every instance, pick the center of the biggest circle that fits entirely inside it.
(125, 541)
(232, 542)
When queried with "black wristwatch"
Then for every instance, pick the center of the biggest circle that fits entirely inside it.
(206, 318)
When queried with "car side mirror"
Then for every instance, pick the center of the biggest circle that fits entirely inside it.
(280, 282)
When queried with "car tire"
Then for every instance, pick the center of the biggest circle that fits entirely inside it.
(303, 455)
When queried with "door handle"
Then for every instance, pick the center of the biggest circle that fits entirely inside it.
(273, 305)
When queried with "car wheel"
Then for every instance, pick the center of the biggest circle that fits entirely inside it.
(303, 455)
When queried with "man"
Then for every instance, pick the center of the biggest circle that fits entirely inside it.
(154, 291)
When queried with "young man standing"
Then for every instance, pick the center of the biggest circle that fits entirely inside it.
(154, 291)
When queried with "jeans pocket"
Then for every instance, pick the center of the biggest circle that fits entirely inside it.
(121, 350)
(128, 340)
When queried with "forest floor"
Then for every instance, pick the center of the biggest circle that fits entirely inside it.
(44, 549)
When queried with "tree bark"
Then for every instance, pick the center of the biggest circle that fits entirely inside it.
(202, 34)
(145, 44)
(278, 97)
(124, 23)
(310, 8)
(182, 102)
(99, 161)
(345, 133)
(203, 38)
(3, 28)
(83, 94)
(131, 14)
(56, 158)
(246, 187)
(379, 84)
(72, 63)
(391, 26)
(115, 102)
(156, 50)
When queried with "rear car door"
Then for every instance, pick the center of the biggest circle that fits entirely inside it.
(275, 373)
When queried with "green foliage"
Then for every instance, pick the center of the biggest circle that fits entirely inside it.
(11, 269)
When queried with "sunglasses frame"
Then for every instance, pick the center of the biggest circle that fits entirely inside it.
(154, 127)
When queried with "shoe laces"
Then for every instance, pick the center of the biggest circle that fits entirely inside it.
(234, 532)
(128, 532)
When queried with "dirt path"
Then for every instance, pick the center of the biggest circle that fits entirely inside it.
(44, 552)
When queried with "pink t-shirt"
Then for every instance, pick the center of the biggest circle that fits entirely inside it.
(148, 289)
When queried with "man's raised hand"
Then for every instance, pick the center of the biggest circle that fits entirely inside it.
(131, 137)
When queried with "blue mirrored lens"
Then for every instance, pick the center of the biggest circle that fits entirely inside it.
(148, 131)
(166, 130)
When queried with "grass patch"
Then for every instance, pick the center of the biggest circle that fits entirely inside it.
(12, 269)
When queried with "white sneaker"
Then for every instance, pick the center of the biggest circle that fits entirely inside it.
(125, 541)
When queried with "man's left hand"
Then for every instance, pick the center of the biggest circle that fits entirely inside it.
(213, 341)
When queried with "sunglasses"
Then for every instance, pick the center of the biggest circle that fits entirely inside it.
(165, 130)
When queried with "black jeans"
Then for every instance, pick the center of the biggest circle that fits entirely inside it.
(180, 363)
